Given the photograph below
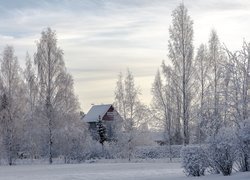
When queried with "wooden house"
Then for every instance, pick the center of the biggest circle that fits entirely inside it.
(108, 115)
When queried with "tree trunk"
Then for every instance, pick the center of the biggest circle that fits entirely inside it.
(49, 116)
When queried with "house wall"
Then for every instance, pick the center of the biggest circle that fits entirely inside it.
(109, 116)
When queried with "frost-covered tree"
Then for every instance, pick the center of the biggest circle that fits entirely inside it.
(12, 103)
(59, 105)
(120, 102)
(50, 65)
(31, 83)
(163, 106)
(216, 57)
(32, 127)
(159, 102)
(244, 67)
(173, 96)
(202, 65)
(238, 96)
(244, 130)
(239, 67)
(181, 54)
(131, 109)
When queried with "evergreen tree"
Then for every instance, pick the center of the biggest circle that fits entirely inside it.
(101, 129)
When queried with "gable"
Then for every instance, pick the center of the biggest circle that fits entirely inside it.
(109, 115)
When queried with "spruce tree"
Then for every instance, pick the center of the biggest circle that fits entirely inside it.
(101, 129)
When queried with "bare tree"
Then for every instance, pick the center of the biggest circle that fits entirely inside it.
(181, 54)
(202, 65)
(50, 65)
(244, 67)
(131, 109)
(60, 107)
(32, 127)
(120, 102)
(159, 101)
(238, 90)
(216, 57)
(11, 102)
(163, 104)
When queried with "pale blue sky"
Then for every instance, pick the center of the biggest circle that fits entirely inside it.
(100, 38)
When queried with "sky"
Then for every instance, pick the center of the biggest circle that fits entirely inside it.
(101, 38)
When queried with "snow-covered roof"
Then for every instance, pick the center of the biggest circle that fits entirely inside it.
(95, 112)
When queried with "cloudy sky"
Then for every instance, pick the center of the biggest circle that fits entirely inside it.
(100, 38)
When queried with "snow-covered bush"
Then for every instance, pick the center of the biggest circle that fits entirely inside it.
(116, 150)
(157, 152)
(222, 151)
(194, 160)
(243, 146)
(92, 149)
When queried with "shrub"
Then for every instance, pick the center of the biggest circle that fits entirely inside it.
(157, 152)
(243, 146)
(116, 150)
(222, 151)
(194, 160)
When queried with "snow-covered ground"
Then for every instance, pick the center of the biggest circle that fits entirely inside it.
(105, 171)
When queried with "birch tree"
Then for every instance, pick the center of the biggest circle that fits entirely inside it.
(50, 65)
(60, 106)
(32, 126)
(11, 103)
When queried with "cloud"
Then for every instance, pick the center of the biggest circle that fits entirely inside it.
(102, 37)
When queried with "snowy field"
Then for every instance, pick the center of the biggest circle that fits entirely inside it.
(105, 171)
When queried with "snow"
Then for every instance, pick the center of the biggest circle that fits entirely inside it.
(95, 112)
(106, 171)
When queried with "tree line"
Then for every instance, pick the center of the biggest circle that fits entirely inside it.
(195, 95)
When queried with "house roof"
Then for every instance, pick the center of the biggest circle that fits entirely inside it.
(96, 111)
